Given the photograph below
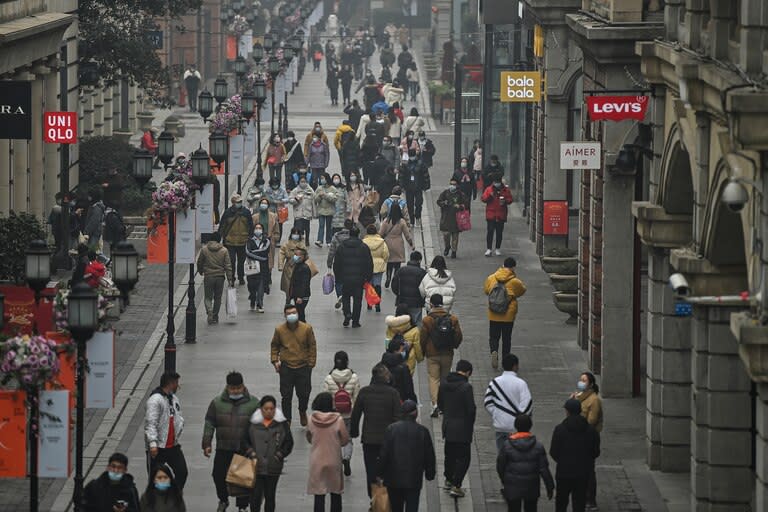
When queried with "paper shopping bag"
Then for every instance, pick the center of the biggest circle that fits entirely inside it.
(379, 499)
(242, 472)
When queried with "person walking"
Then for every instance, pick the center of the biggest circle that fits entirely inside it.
(285, 263)
(405, 285)
(326, 196)
(266, 215)
(345, 77)
(341, 206)
(349, 155)
(394, 229)
(521, 465)
(235, 229)
(455, 398)
(588, 394)
(302, 198)
(379, 406)
(407, 453)
(380, 255)
(438, 279)
(353, 264)
(355, 195)
(400, 376)
(402, 326)
(163, 426)
(294, 156)
(465, 181)
(332, 81)
(413, 122)
(440, 336)
(300, 290)
(275, 156)
(258, 250)
(278, 198)
(451, 201)
(395, 197)
(326, 434)
(228, 417)
(497, 198)
(414, 178)
(336, 242)
(114, 490)
(575, 446)
(493, 172)
(344, 386)
(318, 156)
(269, 441)
(215, 265)
(503, 288)
(163, 493)
(507, 397)
(192, 80)
(94, 221)
(354, 111)
(293, 354)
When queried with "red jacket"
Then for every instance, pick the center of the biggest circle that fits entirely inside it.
(148, 142)
(494, 209)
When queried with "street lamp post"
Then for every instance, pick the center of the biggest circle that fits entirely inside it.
(165, 153)
(125, 270)
(273, 68)
(220, 93)
(201, 172)
(240, 70)
(260, 93)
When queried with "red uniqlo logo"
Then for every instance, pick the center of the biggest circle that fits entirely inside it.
(60, 127)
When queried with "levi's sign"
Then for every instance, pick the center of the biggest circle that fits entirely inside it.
(520, 86)
(617, 108)
(580, 155)
(60, 127)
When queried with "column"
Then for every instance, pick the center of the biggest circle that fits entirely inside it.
(51, 159)
(108, 111)
(761, 448)
(132, 106)
(98, 111)
(36, 191)
(583, 330)
(5, 177)
(596, 270)
(721, 437)
(20, 166)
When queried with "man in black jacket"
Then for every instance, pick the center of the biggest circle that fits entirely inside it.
(353, 265)
(405, 284)
(575, 446)
(414, 178)
(380, 404)
(113, 490)
(457, 401)
(299, 290)
(394, 359)
(406, 454)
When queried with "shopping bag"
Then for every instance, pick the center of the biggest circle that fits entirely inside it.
(242, 472)
(282, 214)
(371, 297)
(252, 267)
(329, 284)
(231, 302)
(318, 55)
(379, 499)
(463, 220)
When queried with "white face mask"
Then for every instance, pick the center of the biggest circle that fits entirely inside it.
(463, 165)
(263, 207)
(296, 237)
(452, 188)
(303, 184)
(353, 179)
(258, 232)
(337, 182)
(315, 139)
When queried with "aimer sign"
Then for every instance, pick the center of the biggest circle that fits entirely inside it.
(520, 87)
(580, 155)
(60, 127)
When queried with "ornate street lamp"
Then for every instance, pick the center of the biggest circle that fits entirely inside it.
(217, 145)
(250, 17)
(82, 310)
(247, 102)
(287, 53)
(142, 166)
(260, 95)
(258, 53)
(37, 267)
(268, 43)
(240, 65)
(273, 68)
(220, 90)
(125, 269)
(165, 148)
(237, 5)
(201, 168)
(205, 104)
(260, 90)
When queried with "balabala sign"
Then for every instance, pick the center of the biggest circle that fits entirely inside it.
(520, 86)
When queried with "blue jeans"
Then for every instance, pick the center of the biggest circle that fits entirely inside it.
(376, 278)
(416, 315)
(325, 228)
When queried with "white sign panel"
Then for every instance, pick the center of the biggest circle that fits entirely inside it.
(249, 131)
(236, 145)
(580, 155)
(185, 236)
(53, 443)
(245, 44)
(204, 202)
(100, 380)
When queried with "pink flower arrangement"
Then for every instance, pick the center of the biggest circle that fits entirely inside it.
(60, 312)
(29, 360)
(228, 116)
(239, 26)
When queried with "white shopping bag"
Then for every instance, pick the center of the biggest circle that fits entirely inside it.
(231, 302)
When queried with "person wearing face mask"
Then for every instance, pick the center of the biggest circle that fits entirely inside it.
(497, 198)
(299, 290)
(355, 195)
(414, 178)
(389, 150)
(266, 215)
(349, 155)
(275, 156)
(451, 201)
(163, 426)
(354, 112)
(258, 249)
(318, 158)
(277, 197)
(407, 144)
(114, 490)
(293, 354)
(341, 206)
(293, 157)
(414, 122)
(301, 172)
(426, 150)
(163, 492)
(395, 360)
(326, 196)
(493, 172)
(378, 128)
(465, 180)
(215, 265)
(255, 193)
(344, 128)
(317, 131)
(235, 229)
(228, 417)
(345, 76)
(353, 265)
(303, 200)
(588, 394)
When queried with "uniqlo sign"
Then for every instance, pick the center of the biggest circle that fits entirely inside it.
(60, 127)
(616, 108)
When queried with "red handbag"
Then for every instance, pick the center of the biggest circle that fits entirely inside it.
(463, 220)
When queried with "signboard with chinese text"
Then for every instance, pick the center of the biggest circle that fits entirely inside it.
(580, 155)
(185, 236)
(555, 220)
(54, 454)
(520, 87)
(204, 202)
(236, 160)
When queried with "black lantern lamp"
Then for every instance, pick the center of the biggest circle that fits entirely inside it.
(240, 66)
(165, 147)
(247, 102)
(250, 17)
(205, 104)
(288, 52)
(268, 43)
(37, 267)
(220, 90)
(230, 15)
(260, 90)
(125, 268)
(300, 37)
(258, 53)
(142, 166)
(296, 45)
(237, 5)
(201, 168)
(273, 67)
(217, 145)
(82, 309)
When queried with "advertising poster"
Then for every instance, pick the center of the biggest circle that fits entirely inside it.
(100, 379)
(204, 203)
(236, 145)
(13, 434)
(157, 244)
(185, 236)
(68, 366)
(54, 459)
(555, 218)
(249, 132)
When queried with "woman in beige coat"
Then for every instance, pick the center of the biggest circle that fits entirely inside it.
(285, 259)
(326, 433)
(588, 393)
(393, 230)
(380, 255)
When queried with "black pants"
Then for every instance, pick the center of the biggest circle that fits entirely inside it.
(174, 457)
(591, 495)
(237, 257)
(391, 269)
(414, 200)
(518, 505)
(371, 460)
(301, 309)
(295, 378)
(404, 500)
(501, 330)
(265, 489)
(335, 502)
(192, 97)
(493, 227)
(457, 457)
(315, 65)
(221, 461)
(355, 296)
(303, 226)
(257, 283)
(575, 488)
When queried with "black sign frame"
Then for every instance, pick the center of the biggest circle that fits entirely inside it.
(15, 110)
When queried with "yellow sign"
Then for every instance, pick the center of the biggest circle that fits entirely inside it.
(520, 86)
(538, 41)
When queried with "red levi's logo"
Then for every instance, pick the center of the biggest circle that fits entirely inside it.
(617, 108)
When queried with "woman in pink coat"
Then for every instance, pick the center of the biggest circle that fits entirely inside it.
(327, 434)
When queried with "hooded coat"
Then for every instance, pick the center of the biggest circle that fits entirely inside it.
(403, 325)
(406, 282)
(269, 445)
(379, 252)
(457, 401)
(285, 262)
(495, 210)
(350, 156)
(340, 131)
(325, 199)
(591, 408)
(432, 283)
(393, 236)
(229, 419)
(575, 446)
(407, 455)
(353, 264)
(318, 155)
(326, 433)
(347, 378)
(401, 378)
(515, 288)
(214, 261)
(379, 403)
(236, 226)
(520, 464)
(303, 201)
(341, 208)
(101, 493)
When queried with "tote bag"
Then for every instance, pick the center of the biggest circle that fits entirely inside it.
(242, 472)
(463, 220)
(329, 284)
(252, 267)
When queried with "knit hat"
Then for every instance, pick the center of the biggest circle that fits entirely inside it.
(573, 406)
(234, 379)
(408, 407)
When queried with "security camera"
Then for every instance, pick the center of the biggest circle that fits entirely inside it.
(734, 195)
(679, 284)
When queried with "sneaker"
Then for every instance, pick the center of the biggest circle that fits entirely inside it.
(446, 251)
(259, 309)
(369, 308)
(356, 325)
(252, 306)
(222, 506)
(447, 485)
(457, 492)
(453, 255)
(498, 252)
(338, 304)
(210, 319)
(487, 252)
(495, 360)
(435, 412)
(346, 322)
(347, 467)
(319, 244)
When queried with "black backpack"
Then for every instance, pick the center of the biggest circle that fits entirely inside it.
(444, 335)
(114, 227)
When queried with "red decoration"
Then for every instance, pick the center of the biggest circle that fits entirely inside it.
(555, 218)
(13, 434)
(21, 313)
(617, 108)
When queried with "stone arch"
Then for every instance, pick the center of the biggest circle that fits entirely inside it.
(676, 182)
(723, 231)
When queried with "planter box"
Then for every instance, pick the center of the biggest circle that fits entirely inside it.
(564, 266)
(565, 283)
(567, 303)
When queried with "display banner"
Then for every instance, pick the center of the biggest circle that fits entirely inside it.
(16, 110)
(100, 379)
(249, 132)
(617, 108)
(245, 44)
(13, 434)
(157, 244)
(185, 236)
(580, 155)
(54, 454)
(555, 220)
(21, 314)
(204, 203)
(236, 145)
(67, 365)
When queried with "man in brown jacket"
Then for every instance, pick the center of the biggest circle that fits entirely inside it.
(214, 264)
(440, 334)
(293, 354)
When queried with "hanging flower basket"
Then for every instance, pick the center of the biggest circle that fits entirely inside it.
(239, 26)
(174, 194)
(228, 116)
(60, 312)
(29, 361)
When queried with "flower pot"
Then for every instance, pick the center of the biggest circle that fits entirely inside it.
(567, 303)
(566, 266)
(172, 125)
(145, 120)
(122, 135)
(565, 283)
